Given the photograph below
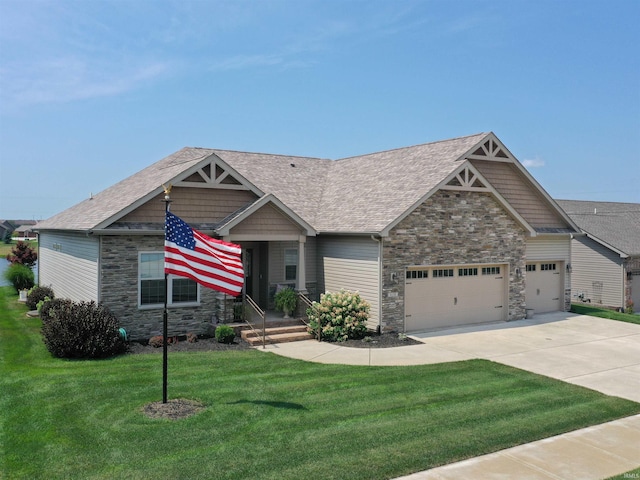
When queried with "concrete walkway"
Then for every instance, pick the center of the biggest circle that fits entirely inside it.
(596, 353)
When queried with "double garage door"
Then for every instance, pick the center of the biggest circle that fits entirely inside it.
(439, 296)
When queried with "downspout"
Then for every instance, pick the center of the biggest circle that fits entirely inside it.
(380, 281)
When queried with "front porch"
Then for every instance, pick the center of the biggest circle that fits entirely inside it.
(259, 327)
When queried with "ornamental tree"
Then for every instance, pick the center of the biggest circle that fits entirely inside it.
(23, 254)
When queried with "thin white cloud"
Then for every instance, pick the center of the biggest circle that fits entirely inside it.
(72, 78)
(533, 163)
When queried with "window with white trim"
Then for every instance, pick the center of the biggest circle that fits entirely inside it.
(531, 267)
(182, 291)
(547, 266)
(290, 263)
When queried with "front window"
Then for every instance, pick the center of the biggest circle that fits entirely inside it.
(182, 291)
(290, 263)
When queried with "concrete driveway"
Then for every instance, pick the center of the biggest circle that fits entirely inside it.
(596, 353)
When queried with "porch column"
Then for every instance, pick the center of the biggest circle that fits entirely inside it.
(301, 279)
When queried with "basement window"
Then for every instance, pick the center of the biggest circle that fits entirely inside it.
(491, 270)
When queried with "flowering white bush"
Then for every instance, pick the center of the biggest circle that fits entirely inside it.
(338, 316)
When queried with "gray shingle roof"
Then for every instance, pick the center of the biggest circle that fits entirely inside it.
(617, 224)
(358, 194)
(298, 182)
(368, 192)
(95, 211)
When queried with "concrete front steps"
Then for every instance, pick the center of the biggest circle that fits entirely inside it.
(282, 334)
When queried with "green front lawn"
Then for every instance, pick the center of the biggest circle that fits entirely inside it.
(267, 417)
(604, 313)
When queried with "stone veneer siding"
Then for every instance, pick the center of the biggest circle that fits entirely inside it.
(452, 228)
(119, 291)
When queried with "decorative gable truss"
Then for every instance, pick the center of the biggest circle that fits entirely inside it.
(491, 149)
(466, 179)
(214, 173)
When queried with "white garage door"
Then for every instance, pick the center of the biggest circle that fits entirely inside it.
(544, 290)
(447, 296)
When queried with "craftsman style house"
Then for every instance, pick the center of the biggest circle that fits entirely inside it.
(446, 233)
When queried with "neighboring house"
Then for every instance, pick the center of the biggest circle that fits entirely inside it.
(6, 229)
(17, 228)
(446, 233)
(606, 260)
(24, 231)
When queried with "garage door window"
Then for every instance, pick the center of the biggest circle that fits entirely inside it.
(491, 270)
(531, 267)
(411, 274)
(547, 266)
(443, 272)
(467, 272)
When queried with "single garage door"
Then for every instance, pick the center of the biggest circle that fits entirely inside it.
(448, 296)
(544, 290)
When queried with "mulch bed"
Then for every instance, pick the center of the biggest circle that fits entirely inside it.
(385, 340)
(173, 410)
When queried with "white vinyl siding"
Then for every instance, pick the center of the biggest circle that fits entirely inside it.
(352, 263)
(549, 248)
(597, 273)
(68, 263)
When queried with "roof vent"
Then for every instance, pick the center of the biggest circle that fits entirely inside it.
(595, 211)
(292, 164)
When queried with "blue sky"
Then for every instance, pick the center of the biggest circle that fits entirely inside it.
(93, 91)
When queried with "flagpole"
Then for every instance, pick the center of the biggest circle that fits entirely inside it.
(167, 202)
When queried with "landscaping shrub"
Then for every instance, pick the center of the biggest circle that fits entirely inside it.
(38, 294)
(225, 334)
(338, 316)
(80, 330)
(20, 276)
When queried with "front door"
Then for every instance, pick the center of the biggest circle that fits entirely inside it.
(256, 264)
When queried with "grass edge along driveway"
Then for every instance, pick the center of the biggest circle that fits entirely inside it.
(267, 417)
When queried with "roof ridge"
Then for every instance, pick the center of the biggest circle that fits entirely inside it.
(261, 153)
(481, 134)
(598, 201)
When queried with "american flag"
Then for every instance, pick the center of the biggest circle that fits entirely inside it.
(212, 263)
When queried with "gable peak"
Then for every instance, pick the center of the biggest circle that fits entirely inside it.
(490, 148)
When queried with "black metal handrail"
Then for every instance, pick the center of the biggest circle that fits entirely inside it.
(261, 314)
(309, 303)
